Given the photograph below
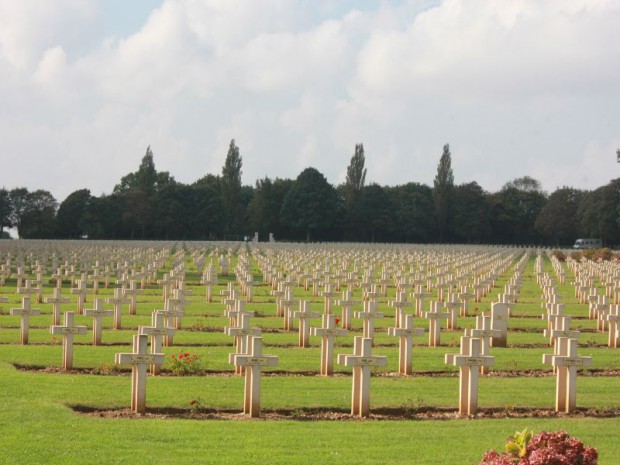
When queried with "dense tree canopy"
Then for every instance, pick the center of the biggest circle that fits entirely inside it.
(151, 204)
(558, 218)
(310, 207)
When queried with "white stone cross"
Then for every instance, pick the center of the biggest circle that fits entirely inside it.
(253, 361)
(368, 315)
(361, 360)
(434, 326)
(179, 302)
(485, 332)
(346, 303)
(97, 313)
(613, 317)
(566, 364)
(139, 359)
(24, 313)
(56, 300)
(242, 332)
(328, 294)
(328, 333)
(132, 292)
(20, 275)
(405, 332)
(118, 300)
(469, 362)
(210, 280)
(157, 331)
(287, 302)
(30, 289)
(170, 313)
(68, 330)
(561, 329)
(399, 305)
(451, 305)
(305, 315)
(419, 296)
(81, 292)
(464, 297)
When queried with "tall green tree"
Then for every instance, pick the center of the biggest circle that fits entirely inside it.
(443, 188)
(5, 210)
(311, 206)
(352, 190)
(231, 188)
(72, 216)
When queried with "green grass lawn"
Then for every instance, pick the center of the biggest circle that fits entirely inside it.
(39, 423)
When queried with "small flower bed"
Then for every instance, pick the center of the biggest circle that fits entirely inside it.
(554, 448)
(185, 364)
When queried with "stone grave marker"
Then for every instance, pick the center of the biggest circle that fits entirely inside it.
(253, 360)
(399, 304)
(469, 361)
(499, 321)
(485, 333)
(241, 333)
(132, 293)
(566, 364)
(24, 313)
(305, 315)
(328, 294)
(56, 300)
(158, 331)
(346, 303)
(68, 330)
(362, 361)
(368, 316)
(118, 300)
(434, 318)
(405, 332)
(612, 325)
(97, 313)
(139, 359)
(328, 333)
(81, 292)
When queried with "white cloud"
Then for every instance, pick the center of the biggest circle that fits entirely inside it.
(516, 88)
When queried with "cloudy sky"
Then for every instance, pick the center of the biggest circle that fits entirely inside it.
(529, 87)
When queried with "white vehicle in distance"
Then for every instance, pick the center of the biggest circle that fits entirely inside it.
(588, 244)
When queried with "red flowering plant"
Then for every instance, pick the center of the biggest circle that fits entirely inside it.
(554, 448)
(185, 364)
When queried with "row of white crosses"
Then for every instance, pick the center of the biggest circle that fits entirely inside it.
(564, 359)
(604, 308)
(365, 360)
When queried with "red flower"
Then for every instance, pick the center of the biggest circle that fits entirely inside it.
(337, 320)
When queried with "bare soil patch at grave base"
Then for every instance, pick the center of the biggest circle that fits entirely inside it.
(429, 374)
(322, 414)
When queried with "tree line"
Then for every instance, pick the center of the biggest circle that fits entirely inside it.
(151, 204)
